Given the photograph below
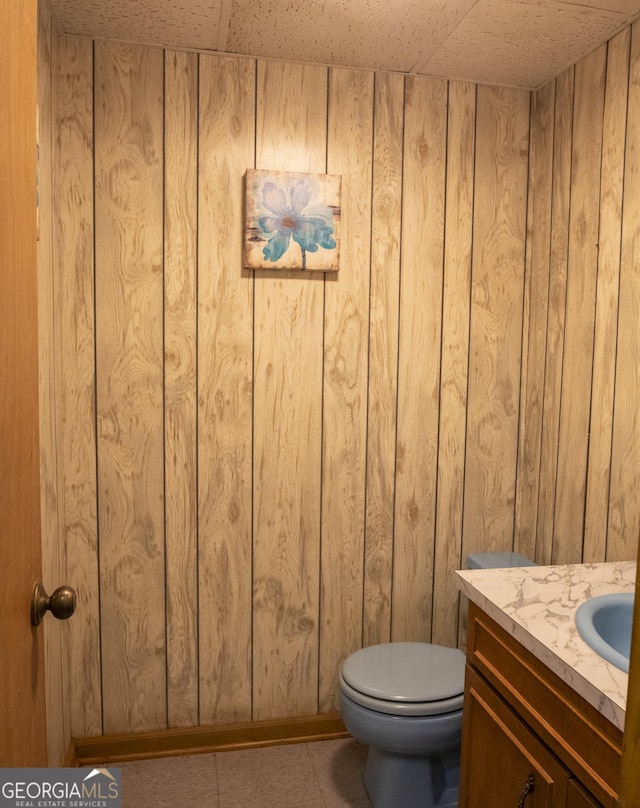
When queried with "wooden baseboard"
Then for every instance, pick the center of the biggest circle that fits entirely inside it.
(198, 740)
(70, 760)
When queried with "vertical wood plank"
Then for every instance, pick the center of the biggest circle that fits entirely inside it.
(456, 298)
(383, 355)
(580, 308)
(624, 505)
(51, 473)
(129, 292)
(559, 247)
(180, 252)
(346, 327)
(74, 303)
(419, 356)
(608, 281)
(535, 321)
(502, 135)
(53, 556)
(225, 356)
(291, 135)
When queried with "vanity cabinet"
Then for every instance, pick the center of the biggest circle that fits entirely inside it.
(529, 740)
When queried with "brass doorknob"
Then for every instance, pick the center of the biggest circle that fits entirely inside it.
(61, 604)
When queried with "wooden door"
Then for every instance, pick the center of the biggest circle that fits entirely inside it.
(22, 705)
(630, 775)
(505, 763)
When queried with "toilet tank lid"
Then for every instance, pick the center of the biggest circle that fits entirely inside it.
(406, 671)
(492, 561)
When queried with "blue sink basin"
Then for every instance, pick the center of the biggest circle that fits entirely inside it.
(604, 623)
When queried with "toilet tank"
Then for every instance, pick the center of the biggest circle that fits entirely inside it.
(487, 561)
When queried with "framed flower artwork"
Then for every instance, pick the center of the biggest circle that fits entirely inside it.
(292, 221)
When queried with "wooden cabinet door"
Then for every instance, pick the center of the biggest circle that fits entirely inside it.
(501, 756)
(579, 797)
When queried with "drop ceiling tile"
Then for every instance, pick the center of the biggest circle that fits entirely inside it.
(521, 43)
(174, 23)
(372, 34)
(518, 44)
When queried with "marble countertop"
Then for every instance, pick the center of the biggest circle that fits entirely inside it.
(537, 606)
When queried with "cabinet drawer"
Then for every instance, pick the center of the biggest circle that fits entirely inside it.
(583, 739)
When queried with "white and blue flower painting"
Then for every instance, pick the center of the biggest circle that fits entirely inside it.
(292, 221)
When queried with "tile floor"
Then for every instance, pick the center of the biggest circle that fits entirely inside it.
(323, 774)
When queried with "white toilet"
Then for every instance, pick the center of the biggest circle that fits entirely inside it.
(404, 701)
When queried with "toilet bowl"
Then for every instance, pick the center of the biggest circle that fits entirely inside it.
(404, 700)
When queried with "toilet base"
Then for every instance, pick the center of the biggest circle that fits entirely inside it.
(410, 781)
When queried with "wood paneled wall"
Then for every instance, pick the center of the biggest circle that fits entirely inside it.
(263, 471)
(579, 459)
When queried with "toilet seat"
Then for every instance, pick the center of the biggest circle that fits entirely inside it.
(405, 678)
(399, 708)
